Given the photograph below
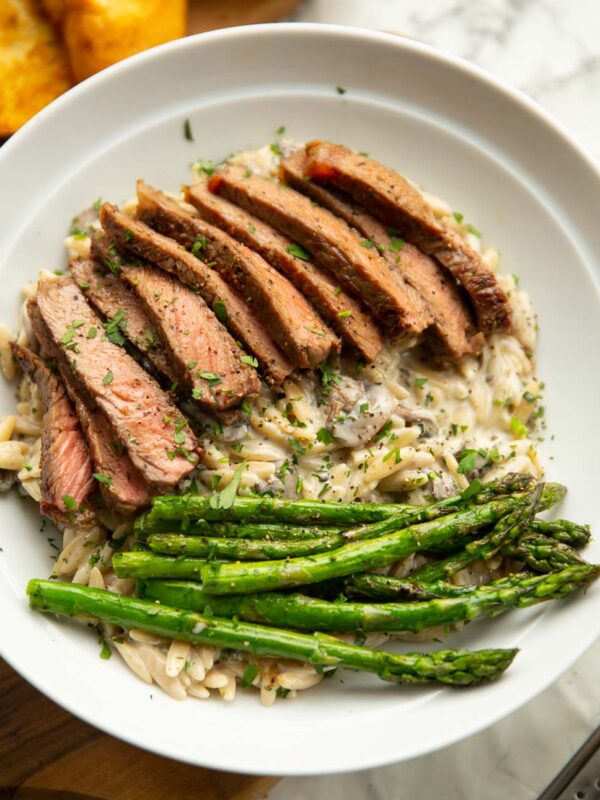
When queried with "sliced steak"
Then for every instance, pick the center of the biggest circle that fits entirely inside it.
(331, 242)
(136, 237)
(343, 312)
(111, 297)
(121, 484)
(284, 312)
(142, 416)
(452, 321)
(65, 464)
(203, 355)
(396, 203)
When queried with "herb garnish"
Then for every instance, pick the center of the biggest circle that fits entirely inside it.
(298, 251)
(187, 131)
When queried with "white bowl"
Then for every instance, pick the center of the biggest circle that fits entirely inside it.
(488, 150)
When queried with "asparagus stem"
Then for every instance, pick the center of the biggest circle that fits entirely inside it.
(506, 530)
(541, 553)
(354, 557)
(142, 564)
(241, 549)
(481, 493)
(458, 667)
(384, 587)
(308, 613)
(277, 531)
(193, 511)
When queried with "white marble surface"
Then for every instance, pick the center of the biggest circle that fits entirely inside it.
(551, 50)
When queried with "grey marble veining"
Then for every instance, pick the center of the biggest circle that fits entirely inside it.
(549, 49)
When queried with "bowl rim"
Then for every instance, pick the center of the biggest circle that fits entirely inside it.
(62, 105)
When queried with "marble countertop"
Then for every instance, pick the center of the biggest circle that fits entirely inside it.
(551, 50)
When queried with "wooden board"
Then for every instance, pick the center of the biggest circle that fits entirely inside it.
(206, 15)
(47, 754)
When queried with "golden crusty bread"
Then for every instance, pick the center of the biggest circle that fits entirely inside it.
(33, 63)
(98, 33)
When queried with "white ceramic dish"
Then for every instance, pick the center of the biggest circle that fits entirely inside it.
(488, 150)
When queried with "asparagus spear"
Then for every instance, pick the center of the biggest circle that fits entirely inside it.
(385, 587)
(241, 549)
(562, 530)
(142, 564)
(308, 613)
(541, 553)
(359, 556)
(277, 531)
(271, 509)
(458, 667)
(475, 493)
(505, 531)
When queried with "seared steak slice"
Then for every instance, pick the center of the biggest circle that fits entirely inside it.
(203, 355)
(356, 265)
(135, 237)
(284, 312)
(66, 468)
(452, 322)
(142, 416)
(110, 297)
(343, 312)
(121, 484)
(396, 203)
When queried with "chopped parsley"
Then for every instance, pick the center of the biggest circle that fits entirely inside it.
(192, 364)
(363, 408)
(280, 130)
(340, 90)
(317, 331)
(345, 313)
(224, 499)
(108, 378)
(329, 379)
(70, 502)
(298, 251)
(200, 243)
(249, 360)
(383, 432)
(249, 674)
(187, 131)
(246, 408)
(212, 378)
(518, 428)
(115, 328)
(325, 436)
(92, 333)
(220, 310)
(458, 216)
(205, 166)
(102, 478)
(276, 149)
(395, 453)
(396, 244)
(368, 243)
(475, 231)
(420, 382)
(468, 460)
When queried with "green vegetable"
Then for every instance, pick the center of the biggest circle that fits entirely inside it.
(357, 556)
(507, 529)
(459, 667)
(242, 549)
(308, 613)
